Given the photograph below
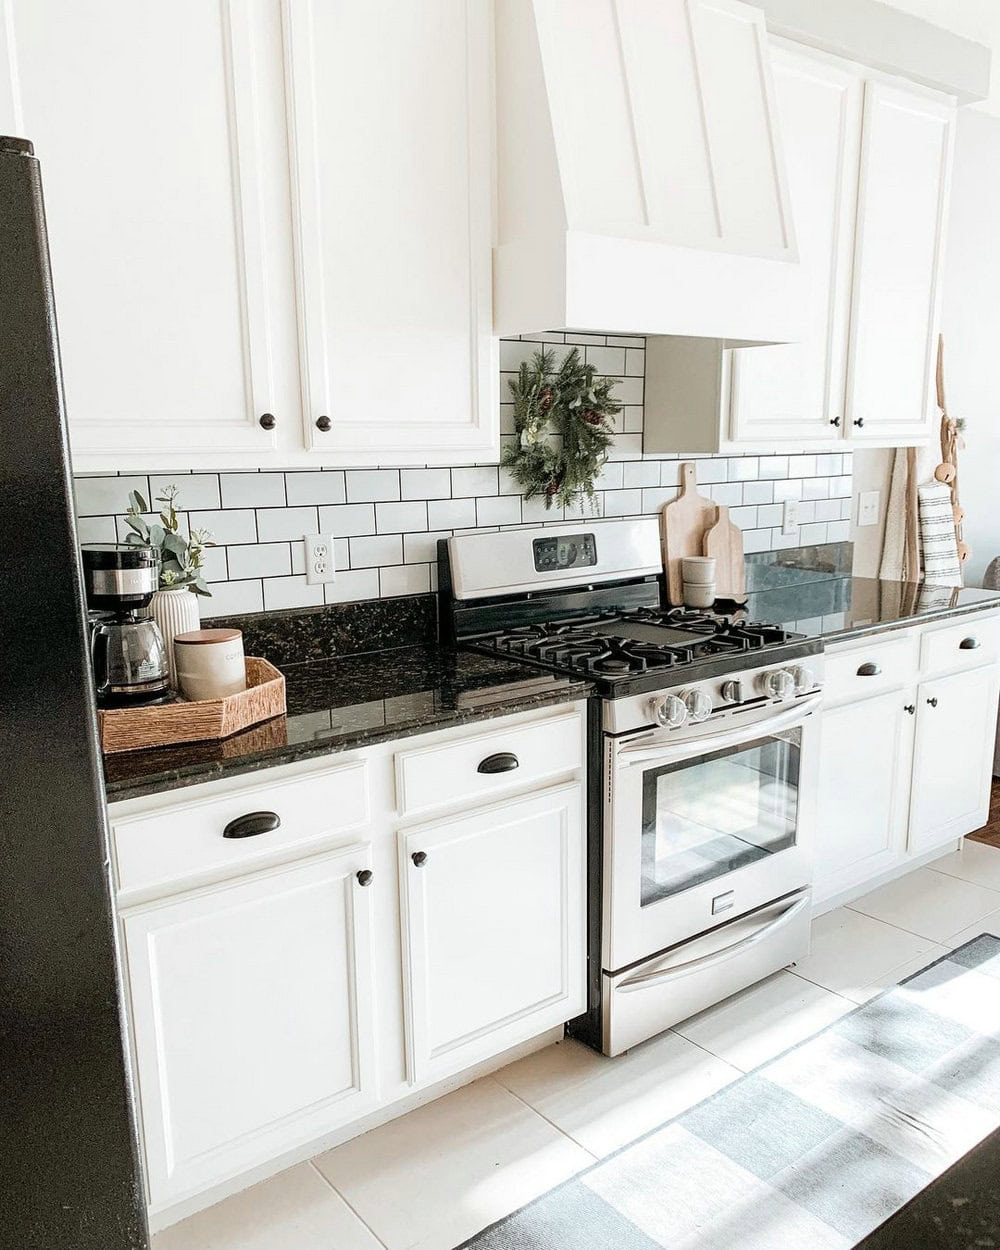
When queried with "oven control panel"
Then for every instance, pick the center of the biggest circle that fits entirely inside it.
(564, 551)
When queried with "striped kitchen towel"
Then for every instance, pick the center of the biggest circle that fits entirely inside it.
(938, 544)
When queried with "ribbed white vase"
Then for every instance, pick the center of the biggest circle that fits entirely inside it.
(176, 612)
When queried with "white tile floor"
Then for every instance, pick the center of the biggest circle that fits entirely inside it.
(436, 1176)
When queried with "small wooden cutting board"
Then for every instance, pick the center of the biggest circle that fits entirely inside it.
(724, 543)
(682, 530)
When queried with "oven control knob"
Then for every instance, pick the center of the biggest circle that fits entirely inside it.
(778, 684)
(670, 712)
(732, 690)
(698, 704)
(804, 678)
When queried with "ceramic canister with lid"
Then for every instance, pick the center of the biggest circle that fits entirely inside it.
(210, 663)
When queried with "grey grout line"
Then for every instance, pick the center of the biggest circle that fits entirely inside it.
(494, 1077)
(346, 1201)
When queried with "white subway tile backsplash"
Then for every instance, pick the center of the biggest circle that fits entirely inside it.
(261, 560)
(426, 483)
(229, 525)
(372, 485)
(346, 520)
(275, 524)
(370, 553)
(253, 490)
(397, 518)
(481, 480)
(260, 518)
(319, 488)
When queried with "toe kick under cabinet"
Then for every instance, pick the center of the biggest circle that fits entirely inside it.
(310, 950)
(908, 730)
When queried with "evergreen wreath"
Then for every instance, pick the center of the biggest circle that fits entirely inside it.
(564, 432)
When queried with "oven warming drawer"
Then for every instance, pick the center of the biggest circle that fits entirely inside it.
(650, 997)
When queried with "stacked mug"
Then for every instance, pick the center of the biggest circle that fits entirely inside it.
(699, 581)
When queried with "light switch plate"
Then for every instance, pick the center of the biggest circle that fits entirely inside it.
(868, 507)
(790, 517)
(320, 563)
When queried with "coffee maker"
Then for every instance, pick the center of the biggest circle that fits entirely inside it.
(126, 647)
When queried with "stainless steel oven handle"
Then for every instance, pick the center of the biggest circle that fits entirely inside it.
(643, 980)
(665, 752)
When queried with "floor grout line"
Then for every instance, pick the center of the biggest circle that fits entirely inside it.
(542, 1116)
(347, 1202)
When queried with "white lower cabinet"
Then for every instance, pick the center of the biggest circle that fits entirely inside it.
(252, 1017)
(907, 768)
(953, 757)
(493, 934)
(289, 984)
(863, 790)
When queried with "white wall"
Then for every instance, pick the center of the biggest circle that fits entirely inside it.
(971, 328)
(973, 19)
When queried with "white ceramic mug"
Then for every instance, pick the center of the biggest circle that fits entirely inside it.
(210, 663)
(699, 595)
(698, 570)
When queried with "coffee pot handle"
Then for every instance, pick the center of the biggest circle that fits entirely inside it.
(99, 658)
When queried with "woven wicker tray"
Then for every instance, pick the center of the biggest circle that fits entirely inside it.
(132, 728)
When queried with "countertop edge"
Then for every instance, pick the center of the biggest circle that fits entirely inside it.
(834, 637)
(336, 744)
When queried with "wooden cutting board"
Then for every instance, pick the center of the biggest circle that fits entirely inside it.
(724, 542)
(682, 530)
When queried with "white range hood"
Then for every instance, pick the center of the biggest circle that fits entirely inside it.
(640, 179)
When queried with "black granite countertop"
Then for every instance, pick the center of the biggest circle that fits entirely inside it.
(837, 607)
(347, 702)
(960, 1210)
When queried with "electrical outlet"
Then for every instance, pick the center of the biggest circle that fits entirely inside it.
(868, 507)
(790, 517)
(320, 565)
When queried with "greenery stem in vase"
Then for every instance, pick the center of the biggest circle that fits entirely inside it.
(181, 559)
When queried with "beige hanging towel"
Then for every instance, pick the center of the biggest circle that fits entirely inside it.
(900, 546)
(938, 544)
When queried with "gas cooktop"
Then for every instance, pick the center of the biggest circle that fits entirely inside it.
(646, 642)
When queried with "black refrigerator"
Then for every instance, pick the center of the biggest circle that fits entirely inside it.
(69, 1172)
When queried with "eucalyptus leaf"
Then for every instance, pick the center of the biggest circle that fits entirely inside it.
(137, 502)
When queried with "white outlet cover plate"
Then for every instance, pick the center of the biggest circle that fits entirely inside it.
(320, 563)
(868, 506)
(790, 517)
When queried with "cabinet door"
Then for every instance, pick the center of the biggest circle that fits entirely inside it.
(493, 929)
(151, 123)
(251, 1009)
(953, 760)
(905, 176)
(795, 391)
(863, 790)
(391, 138)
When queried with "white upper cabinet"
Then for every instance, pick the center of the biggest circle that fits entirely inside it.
(391, 148)
(868, 169)
(905, 178)
(151, 122)
(267, 207)
(796, 390)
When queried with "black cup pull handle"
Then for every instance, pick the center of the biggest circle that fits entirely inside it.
(419, 858)
(969, 644)
(869, 669)
(502, 762)
(252, 825)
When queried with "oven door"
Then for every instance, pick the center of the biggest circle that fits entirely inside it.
(702, 830)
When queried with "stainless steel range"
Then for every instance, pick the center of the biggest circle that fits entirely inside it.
(704, 759)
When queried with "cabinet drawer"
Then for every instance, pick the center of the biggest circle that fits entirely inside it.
(868, 670)
(487, 764)
(966, 644)
(187, 840)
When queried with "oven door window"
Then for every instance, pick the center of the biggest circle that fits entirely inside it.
(716, 813)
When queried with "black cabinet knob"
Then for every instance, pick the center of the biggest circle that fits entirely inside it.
(252, 825)
(835, 421)
(860, 422)
(268, 421)
(502, 762)
(911, 708)
(419, 858)
(933, 701)
(365, 876)
(324, 425)
(969, 644)
(870, 669)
